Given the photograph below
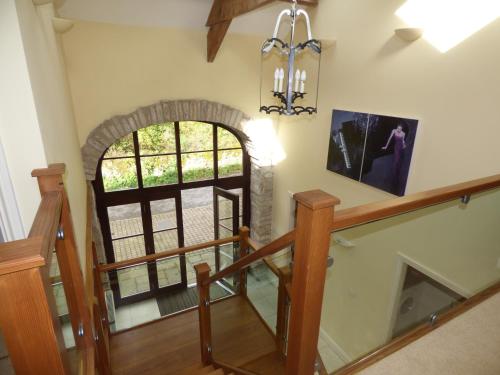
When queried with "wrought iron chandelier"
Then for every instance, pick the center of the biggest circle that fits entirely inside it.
(286, 68)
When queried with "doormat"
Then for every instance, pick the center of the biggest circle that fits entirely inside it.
(184, 299)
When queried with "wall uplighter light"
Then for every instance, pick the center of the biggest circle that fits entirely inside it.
(447, 23)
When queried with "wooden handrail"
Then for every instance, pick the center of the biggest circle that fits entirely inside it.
(271, 265)
(254, 245)
(275, 246)
(165, 254)
(34, 251)
(418, 332)
(380, 210)
(29, 322)
(89, 261)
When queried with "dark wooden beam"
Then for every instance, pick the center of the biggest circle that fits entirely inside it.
(215, 37)
(224, 11)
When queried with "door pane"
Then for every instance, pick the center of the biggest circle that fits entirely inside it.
(166, 238)
(197, 166)
(169, 271)
(198, 215)
(239, 192)
(157, 139)
(129, 248)
(125, 220)
(230, 163)
(164, 215)
(119, 174)
(133, 280)
(196, 136)
(159, 170)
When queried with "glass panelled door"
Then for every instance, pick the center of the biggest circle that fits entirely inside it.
(167, 235)
(226, 224)
(146, 228)
(154, 193)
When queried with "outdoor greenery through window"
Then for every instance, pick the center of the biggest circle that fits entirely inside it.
(171, 153)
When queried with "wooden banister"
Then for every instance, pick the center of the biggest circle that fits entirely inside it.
(165, 254)
(284, 276)
(254, 245)
(271, 265)
(315, 211)
(418, 332)
(244, 248)
(202, 273)
(29, 320)
(380, 210)
(46, 222)
(89, 259)
(275, 246)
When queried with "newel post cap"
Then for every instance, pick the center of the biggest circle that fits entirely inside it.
(316, 199)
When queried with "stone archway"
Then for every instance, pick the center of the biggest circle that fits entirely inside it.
(261, 185)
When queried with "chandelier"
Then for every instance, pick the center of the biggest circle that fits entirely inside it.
(287, 69)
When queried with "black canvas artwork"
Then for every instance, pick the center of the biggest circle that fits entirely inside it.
(372, 149)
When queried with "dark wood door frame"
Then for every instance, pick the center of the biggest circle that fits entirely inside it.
(145, 195)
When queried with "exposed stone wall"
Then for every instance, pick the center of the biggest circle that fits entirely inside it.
(261, 186)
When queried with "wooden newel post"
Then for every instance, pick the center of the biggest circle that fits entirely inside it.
(51, 179)
(202, 275)
(285, 276)
(314, 221)
(244, 234)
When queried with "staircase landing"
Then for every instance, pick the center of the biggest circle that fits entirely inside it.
(171, 345)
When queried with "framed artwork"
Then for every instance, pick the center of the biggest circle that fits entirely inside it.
(372, 149)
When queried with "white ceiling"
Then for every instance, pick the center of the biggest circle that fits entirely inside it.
(167, 13)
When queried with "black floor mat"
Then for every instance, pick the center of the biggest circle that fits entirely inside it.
(184, 299)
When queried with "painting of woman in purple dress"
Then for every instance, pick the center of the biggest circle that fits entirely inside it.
(380, 156)
(399, 145)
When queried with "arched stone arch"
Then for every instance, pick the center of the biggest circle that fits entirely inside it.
(261, 185)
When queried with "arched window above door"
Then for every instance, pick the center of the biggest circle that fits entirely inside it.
(171, 154)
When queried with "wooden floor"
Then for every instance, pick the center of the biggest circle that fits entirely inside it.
(171, 345)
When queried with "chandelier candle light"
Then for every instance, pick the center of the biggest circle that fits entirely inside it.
(289, 79)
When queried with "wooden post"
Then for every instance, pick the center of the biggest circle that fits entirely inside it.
(314, 221)
(244, 234)
(50, 179)
(202, 275)
(31, 330)
(285, 276)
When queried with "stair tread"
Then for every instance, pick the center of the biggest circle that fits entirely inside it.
(198, 369)
(268, 364)
(206, 370)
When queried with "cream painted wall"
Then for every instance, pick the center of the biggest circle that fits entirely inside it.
(454, 95)
(19, 129)
(49, 134)
(458, 245)
(114, 69)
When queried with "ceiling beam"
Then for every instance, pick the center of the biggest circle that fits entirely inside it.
(215, 36)
(224, 11)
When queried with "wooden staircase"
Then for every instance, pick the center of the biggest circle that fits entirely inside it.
(203, 370)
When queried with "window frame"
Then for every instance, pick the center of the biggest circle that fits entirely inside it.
(145, 195)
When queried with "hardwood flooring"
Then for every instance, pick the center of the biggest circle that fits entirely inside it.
(170, 345)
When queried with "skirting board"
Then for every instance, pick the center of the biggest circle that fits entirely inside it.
(334, 346)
